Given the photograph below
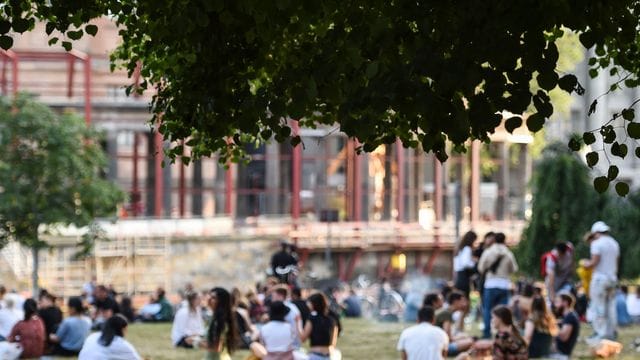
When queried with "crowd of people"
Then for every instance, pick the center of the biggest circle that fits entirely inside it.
(273, 321)
(523, 320)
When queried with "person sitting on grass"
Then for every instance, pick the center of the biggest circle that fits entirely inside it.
(423, 341)
(540, 329)
(188, 325)
(109, 343)
(30, 332)
(73, 330)
(222, 336)
(569, 326)
(277, 335)
(164, 309)
(508, 344)
(444, 320)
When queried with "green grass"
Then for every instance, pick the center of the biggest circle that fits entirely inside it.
(361, 339)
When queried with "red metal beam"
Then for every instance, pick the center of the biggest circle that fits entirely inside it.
(158, 183)
(357, 191)
(87, 89)
(437, 193)
(304, 256)
(296, 172)
(475, 181)
(418, 255)
(70, 63)
(228, 190)
(181, 186)
(341, 267)
(135, 191)
(353, 262)
(400, 190)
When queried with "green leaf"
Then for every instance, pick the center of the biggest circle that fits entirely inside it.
(372, 70)
(628, 114)
(535, 122)
(21, 25)
(5, 26)
(50, 27)
(568, 83)
(622, 188)
(67, 45)
(593, 73)
(612, 173)
(638, 152)
(295, 141)
(588, 138)
(513, 123)
(601, 184)
(619, 150)
(587, 39)
(6, 42)
(547, 80)
(53, 40)
(592, 158)
(75, 35)
(574, 143)
(592, 107)
(91, 29)
(633, 129)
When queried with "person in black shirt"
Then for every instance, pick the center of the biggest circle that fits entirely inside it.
(281, 260)
(296, 299)
(570, 325)
(50, 314)
(321, 329)
(105, 306)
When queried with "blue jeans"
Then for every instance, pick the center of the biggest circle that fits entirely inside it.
(490, 299)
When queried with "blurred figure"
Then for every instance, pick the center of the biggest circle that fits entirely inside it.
(247, 332)
(605, 253)
(89, 289)
(569, 326)
(497, 263)
(463, 263)
(521, 304)
(221, 338)
(352, 306)
(633, 305)
(540, 329)
(281, 293)
(423, 341)
(188, 326)
(161, 312)
(9, 316)
(30, 332)
(444, 320)
(277, 335)
(105, 306)
(283, 262)
(624, 318)
(301, 304)
(508, 343)
(73, 330)
(321, 329)
(559, 269)
(109, 343)
(127, 310)
(50, 314)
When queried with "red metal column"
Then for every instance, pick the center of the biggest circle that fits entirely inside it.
(475, 181)
(353, 262)
(87, 89)
(296, 169)
(341, 267)
(357, 190)
(71, 61)
(158, 184)
(228, 190)
(14, 76)
(437, 193)
(135, 191)
(181, 186)
(400, 192)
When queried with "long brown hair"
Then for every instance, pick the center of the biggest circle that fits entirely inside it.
(503, 313)
(542, 318)
(467, 240)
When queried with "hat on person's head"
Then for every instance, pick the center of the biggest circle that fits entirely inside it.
(278, 310)
(599, 227)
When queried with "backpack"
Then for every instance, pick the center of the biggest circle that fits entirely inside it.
(543, 262)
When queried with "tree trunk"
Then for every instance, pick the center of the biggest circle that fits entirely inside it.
(34, 272)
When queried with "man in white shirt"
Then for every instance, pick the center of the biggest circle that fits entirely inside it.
(423, 341)
(293, 317)
(605, 253)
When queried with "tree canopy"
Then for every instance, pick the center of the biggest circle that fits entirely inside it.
(50, 173)
(231, 72)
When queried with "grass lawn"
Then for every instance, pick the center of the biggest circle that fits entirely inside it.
(361, 339)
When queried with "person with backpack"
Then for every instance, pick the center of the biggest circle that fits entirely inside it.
(497, 263)
(557, 269)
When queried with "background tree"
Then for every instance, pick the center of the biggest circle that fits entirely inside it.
(623, 216)
(50, 174)
(564, 207)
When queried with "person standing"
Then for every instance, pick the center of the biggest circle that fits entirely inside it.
(423, 341)
(559, 269)
(497, 263)
(463, 263)
(605, 253)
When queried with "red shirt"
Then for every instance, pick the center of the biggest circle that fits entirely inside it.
(31, 336)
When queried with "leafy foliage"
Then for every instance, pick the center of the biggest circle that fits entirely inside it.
(231, 72)
(49, 172)
(564, 207)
